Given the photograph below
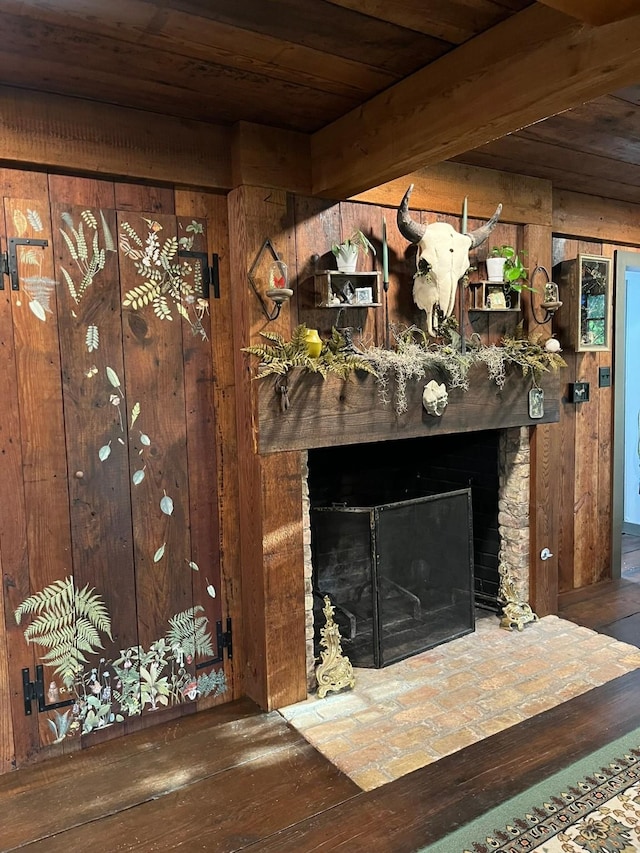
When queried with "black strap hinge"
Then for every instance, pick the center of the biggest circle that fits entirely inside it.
(210, 274)
(4, 267)
(33, 691)
(225, 639)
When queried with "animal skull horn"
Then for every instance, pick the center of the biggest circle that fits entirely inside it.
(481, 234)
(442, 260)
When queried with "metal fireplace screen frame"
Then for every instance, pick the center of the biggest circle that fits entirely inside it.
(399, 574)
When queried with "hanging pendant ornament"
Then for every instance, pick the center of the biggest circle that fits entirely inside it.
(536, 403)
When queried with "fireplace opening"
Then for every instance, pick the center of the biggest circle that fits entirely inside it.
(348, 487)
(399, 575)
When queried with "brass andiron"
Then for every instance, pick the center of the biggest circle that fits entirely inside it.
(335, 672)
(516, 614)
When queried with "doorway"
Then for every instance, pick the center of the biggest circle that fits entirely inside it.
(626, 436)
(114, 592)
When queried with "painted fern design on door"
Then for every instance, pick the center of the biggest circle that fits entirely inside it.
(188, 632)
(67, 622)
(85, 250)
(37, 288)
(165, 278)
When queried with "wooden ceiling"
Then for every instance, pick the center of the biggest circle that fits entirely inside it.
(380, 86)
(296, 64)
(593, 148)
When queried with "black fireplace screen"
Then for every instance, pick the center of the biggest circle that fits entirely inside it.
(400, 575)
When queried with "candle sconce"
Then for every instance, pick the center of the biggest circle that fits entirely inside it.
(551, 300)
(277, 276)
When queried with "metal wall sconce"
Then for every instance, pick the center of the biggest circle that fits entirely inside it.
(551, 301)
(277, 290)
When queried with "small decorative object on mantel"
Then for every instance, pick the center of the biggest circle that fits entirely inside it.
(536, 403)
(435, 398)
(335, 673)
(516, 613)
(313, 342)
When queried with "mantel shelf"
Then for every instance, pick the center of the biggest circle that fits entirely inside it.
(324, 413)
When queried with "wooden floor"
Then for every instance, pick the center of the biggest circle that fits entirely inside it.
(234, 779)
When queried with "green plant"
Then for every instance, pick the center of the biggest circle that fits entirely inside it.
(515, 273)
(357, 239)
(280, 356)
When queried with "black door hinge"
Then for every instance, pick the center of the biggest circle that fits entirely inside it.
(210, 274)
(225, 639)
(33, 691)
(14, 242)
(4, 267)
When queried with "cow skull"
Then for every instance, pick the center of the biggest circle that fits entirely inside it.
(442, 260)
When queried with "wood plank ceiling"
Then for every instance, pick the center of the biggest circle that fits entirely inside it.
(296, 64)
(593, 148)
(308, 65)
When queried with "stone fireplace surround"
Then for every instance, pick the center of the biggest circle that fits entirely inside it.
(513, 525)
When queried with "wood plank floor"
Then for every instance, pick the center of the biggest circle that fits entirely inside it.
(234, 779)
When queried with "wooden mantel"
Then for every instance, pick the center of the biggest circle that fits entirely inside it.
(331, 412)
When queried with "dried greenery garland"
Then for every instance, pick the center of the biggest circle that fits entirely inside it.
(414, 358)
(280, 356)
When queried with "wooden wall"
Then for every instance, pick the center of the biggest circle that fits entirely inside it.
(571, 484)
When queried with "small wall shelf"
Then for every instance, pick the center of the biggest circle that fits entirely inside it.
(334, 289)
(483, 293)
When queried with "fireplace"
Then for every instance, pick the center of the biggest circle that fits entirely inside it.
(400, 575)
(492, 464)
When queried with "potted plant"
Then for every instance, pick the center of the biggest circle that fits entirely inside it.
(505, 265)
(347, 252)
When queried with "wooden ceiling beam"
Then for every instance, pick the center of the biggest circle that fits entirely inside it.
(595, 12)
(533, 65)
(84, 136)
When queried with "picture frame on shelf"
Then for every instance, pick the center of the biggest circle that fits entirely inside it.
(364, 295)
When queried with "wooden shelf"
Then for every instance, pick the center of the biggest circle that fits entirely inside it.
(480, 293)
(335, 289)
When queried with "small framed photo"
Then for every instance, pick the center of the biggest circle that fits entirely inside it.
(496, 298)
(364, 295)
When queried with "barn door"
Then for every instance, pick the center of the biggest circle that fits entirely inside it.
(107, 320)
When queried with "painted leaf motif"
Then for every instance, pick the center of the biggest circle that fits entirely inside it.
(211, 590)
(159, 553)
(166, 505)
(20, 222)
(144, 439)
(70, 284)
(194, 566)
(34, 218)
(38, 310)
(112, 376)
(135, 413)
(108, 236)
(104, 452)
(138, 476)
(89, 218)
(92, 338)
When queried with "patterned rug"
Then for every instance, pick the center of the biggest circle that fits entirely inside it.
(591, 807)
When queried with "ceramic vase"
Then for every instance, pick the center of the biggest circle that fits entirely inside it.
(314, 342)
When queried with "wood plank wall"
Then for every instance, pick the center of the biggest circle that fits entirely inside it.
(571, 486)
